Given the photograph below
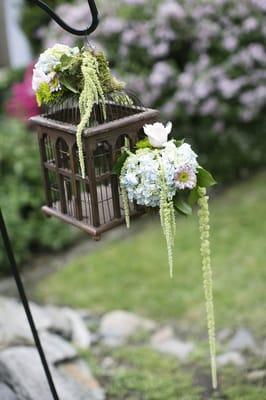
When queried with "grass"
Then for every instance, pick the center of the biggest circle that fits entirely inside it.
(139, 373)
(132, 273)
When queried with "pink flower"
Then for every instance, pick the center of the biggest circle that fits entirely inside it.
(22, 103)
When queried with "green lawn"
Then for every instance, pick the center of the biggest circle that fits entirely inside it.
(132, 273)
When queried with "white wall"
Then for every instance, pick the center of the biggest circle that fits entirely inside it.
(18, 47)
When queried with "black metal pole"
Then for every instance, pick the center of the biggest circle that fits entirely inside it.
(21, 290)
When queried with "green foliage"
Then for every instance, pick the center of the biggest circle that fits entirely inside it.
(143, 144)
(193, 196)
(204, 178)
(21, 197)
(120, 162)
(45, 96)
(181, 205)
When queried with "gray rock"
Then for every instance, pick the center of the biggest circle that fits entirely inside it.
(162, 335)
(6, 393)
(56, 348)
(78, 372)
(165, 342)
(256, 376)
(71, 325)
(15, 330)
(174, 347)
(21, 369)
(60, 322)
(232, 357)
(117, 326)
(224, 334)
(80, 335)
(242, 340)
(108, 363)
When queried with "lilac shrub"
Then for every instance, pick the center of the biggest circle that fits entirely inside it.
(203, 64)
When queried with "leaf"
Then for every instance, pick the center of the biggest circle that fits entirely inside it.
(68, 84)
(204, 178)
(182, 206)
(179, 143)
(65, 62)
(143, 144)
(193, 196)
(120, 162)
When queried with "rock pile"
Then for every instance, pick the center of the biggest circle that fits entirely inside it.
(64, 332)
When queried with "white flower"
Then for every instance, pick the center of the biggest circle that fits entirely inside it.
(185, 155)
(130, 179)
(157, 133)
(170, 151)
(38, 78)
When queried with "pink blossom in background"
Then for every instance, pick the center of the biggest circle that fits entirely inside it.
(22, 103)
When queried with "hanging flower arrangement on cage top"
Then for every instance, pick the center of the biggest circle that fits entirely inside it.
(84, 74)
(165, 174)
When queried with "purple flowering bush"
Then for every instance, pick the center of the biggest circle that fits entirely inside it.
(202, 63)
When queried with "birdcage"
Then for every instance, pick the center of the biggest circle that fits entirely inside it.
(93, 203)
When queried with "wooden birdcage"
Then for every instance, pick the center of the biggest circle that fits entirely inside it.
(93, 203)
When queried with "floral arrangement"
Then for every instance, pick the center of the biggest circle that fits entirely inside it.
(62, 72)
(165, 174)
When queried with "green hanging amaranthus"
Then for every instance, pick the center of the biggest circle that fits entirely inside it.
(204, 228)
(91, 94)
(167, 218)
(98, 82)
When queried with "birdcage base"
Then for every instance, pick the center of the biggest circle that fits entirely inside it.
(94, 232)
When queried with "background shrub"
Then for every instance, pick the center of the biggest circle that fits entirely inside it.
(203, 64)
(21, 196)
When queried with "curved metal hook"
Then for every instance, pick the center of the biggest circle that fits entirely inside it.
(64, 25)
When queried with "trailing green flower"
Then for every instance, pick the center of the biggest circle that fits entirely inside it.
(204, 228)
(125, 205)
(167, 217)
(91, 94)
(125, 151)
